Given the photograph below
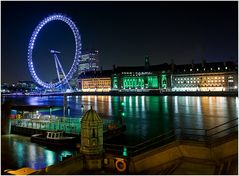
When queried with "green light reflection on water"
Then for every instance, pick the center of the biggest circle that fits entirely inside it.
(20, 152)
(50, 157)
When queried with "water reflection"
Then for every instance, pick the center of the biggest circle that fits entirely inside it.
(50, 157)
(17, 152)
(149, 116)
(176, 104)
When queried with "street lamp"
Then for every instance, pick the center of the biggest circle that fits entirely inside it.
(82, 109)
(68, 111)
(50, 110)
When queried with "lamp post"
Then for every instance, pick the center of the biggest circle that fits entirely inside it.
(82, 109)
(68, 111)
(50, 110)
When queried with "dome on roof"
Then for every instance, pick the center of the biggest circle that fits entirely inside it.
(91, 116)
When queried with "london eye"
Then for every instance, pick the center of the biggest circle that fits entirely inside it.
(59, 68)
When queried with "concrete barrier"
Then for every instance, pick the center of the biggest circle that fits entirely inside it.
(178, 150)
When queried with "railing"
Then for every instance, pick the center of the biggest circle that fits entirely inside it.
(68, 125)
(144, 146)
(192, 134)
(223, 129)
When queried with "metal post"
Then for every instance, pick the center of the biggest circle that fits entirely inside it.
(82, 109)
(50, 111)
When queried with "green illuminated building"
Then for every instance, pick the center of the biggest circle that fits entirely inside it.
(140, 77)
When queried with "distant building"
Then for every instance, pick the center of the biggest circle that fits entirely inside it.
(5, 88)
(95, 81)
(26, 84)
(89, 61)
(218, 76)
(147, 77)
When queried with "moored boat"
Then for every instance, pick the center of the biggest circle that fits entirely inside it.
(54, 138)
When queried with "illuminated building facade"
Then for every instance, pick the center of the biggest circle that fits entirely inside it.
(141, 78)
(89, 61)
(219, 76)
(95, 81)
(205, 77)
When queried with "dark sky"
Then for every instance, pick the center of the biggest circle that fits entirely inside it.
(123, 32)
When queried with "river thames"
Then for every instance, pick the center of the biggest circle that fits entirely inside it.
(145, 117)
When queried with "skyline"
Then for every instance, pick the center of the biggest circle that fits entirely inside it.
(181, 31)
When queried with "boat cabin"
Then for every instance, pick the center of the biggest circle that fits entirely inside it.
(54, 134)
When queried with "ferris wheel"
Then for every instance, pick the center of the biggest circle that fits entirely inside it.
(68, 76)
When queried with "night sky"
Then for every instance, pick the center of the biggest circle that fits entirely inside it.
(123, 32)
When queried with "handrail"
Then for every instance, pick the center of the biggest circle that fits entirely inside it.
(196, 129)
(221, 131)
(149, 140)
(159, 139)
(222, 124)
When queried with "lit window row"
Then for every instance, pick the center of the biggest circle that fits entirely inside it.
(188, 86)
(215, 77)
(192, 78)
(218, 68)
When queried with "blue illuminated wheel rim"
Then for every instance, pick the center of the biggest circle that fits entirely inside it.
(76, 61)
